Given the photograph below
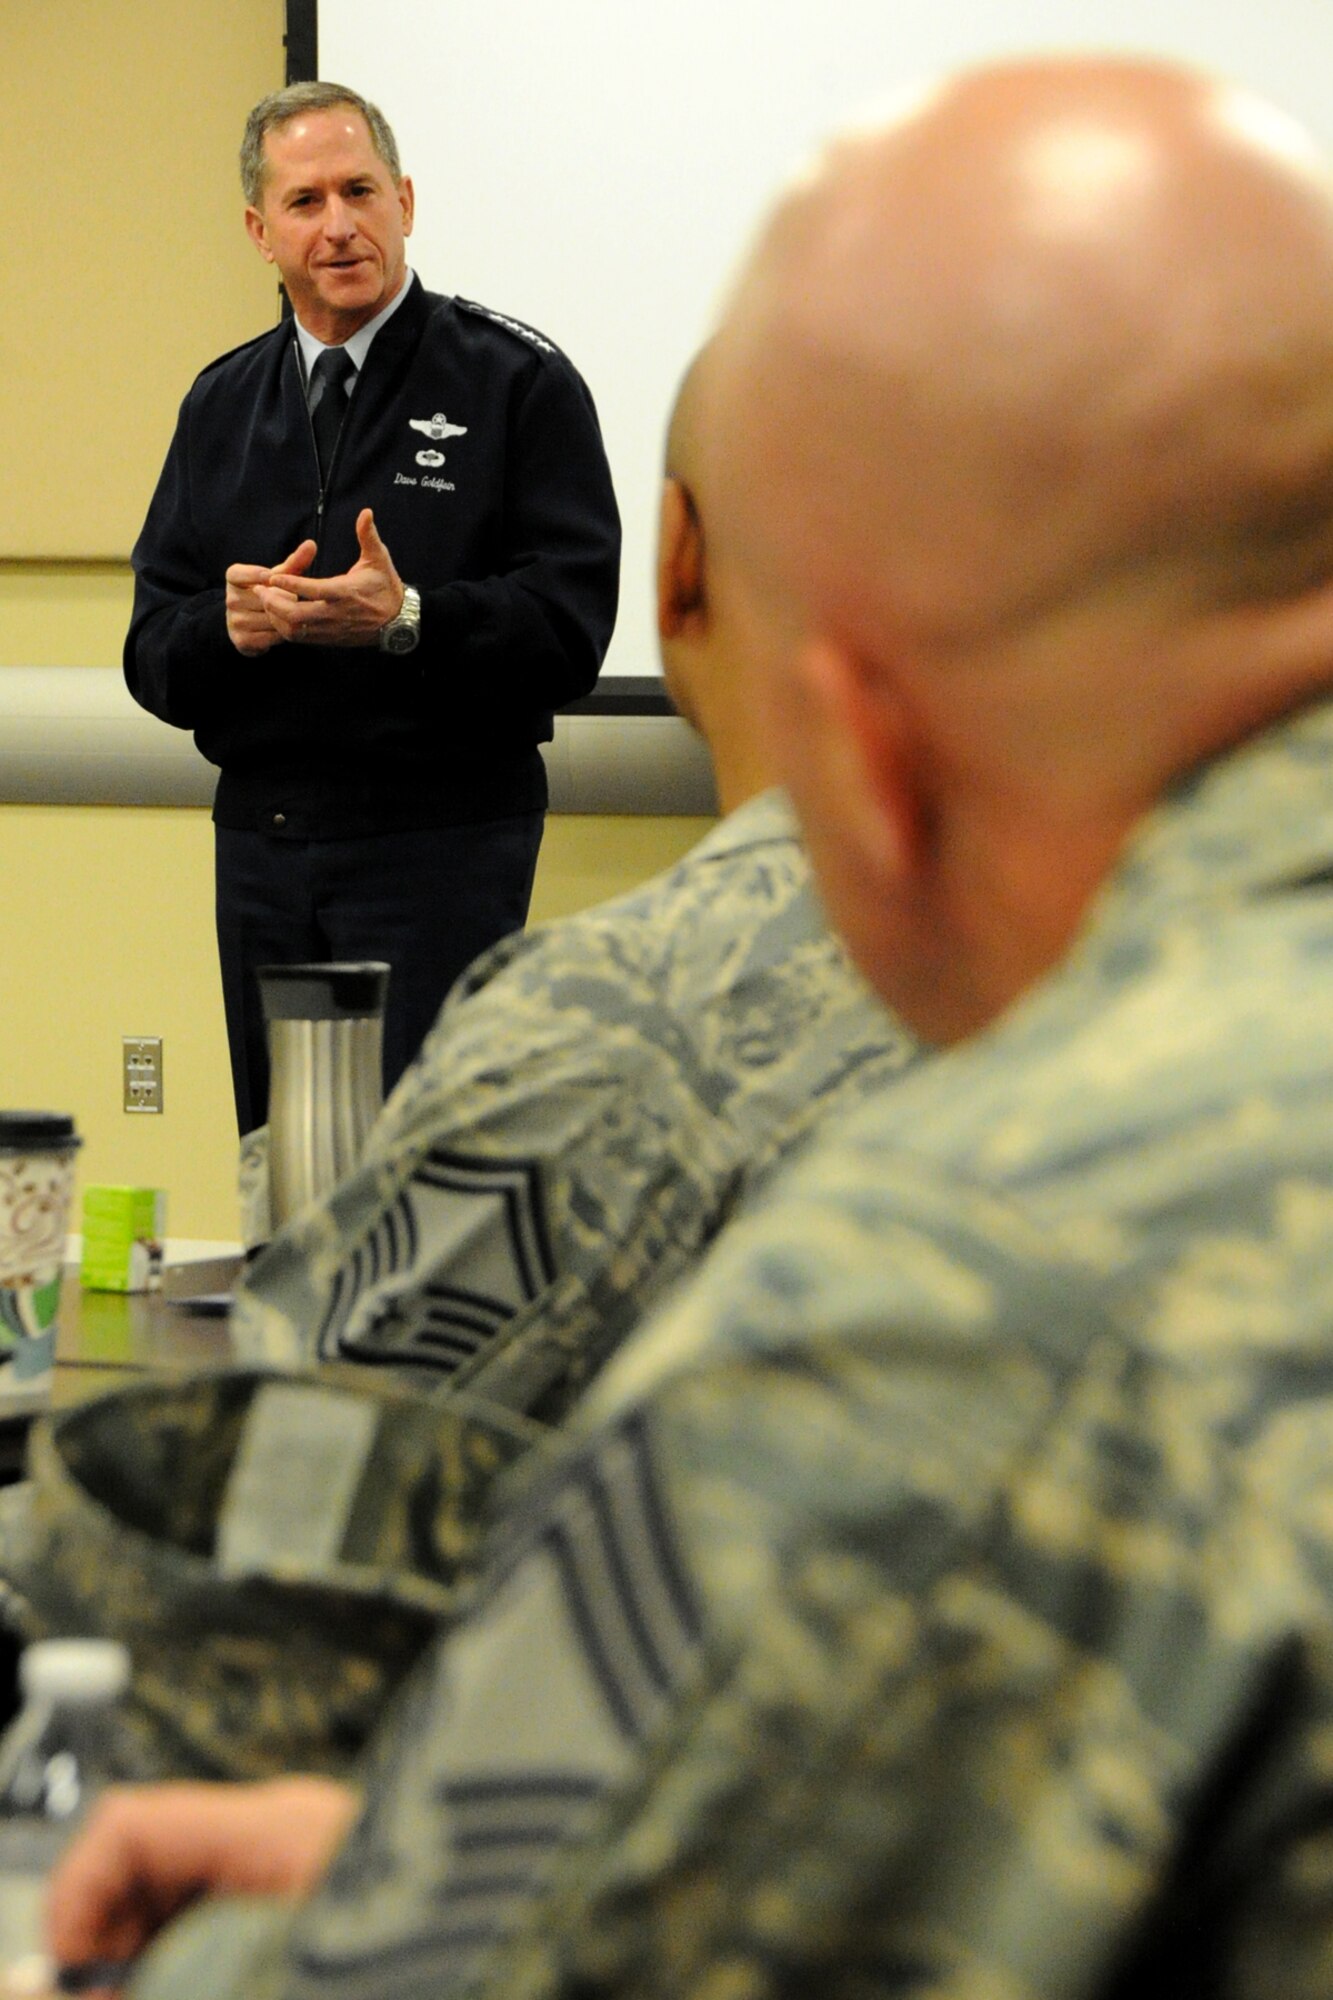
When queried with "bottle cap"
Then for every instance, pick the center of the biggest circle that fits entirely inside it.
(75, 1673)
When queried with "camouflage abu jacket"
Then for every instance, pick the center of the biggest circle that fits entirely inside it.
(591, 1102)
(935, 1599)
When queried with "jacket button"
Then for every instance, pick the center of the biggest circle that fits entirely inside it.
(279, 819)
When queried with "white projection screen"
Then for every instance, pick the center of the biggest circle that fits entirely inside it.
(594, 167)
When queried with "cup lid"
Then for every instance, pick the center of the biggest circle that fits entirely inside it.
(337, 991)
(75, 1673)
(36, 1131)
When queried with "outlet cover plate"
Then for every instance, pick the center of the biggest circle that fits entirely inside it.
(142, 1070)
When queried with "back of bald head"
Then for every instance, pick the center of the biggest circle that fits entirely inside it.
(1052, 339)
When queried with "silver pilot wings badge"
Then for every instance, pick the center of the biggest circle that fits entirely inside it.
(437, 427)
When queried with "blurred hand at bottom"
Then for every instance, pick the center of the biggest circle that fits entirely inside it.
(148, 1852)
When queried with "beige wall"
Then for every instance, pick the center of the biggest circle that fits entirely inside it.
(126, 265)
(63, 614)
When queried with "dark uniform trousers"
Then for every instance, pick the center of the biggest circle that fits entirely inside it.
(284, 901)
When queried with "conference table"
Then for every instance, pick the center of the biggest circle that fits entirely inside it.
(106, 1339)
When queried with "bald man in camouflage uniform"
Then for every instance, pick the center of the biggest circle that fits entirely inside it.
(936, 1599)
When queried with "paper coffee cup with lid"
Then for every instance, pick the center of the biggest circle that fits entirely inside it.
(37, 1150)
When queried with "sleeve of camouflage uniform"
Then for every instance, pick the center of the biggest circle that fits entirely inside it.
(219, 1952)
(873, 1641)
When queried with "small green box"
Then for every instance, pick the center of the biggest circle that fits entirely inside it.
(123, 1231)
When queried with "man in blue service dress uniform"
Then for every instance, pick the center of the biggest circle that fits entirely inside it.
(383, 549)
(936, 1598)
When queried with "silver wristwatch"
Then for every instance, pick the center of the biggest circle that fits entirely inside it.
(403, 633)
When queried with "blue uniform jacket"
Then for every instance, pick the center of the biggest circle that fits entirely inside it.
(477, 445)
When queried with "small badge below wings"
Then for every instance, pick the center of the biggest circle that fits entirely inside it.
(438, 426)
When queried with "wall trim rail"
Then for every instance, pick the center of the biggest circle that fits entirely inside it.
(74, 736)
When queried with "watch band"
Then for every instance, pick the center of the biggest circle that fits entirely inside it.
(403, 633)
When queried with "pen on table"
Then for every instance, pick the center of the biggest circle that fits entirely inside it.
(91, 1973)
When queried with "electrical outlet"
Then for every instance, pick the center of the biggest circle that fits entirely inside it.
(142, 1058)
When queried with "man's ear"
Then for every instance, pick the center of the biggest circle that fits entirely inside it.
(873, 775)
(257, 231)
(681, 603)
(407, 201)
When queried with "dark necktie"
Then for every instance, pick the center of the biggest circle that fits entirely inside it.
(329, 380)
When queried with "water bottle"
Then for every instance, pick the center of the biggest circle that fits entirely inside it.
(51, 1760)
